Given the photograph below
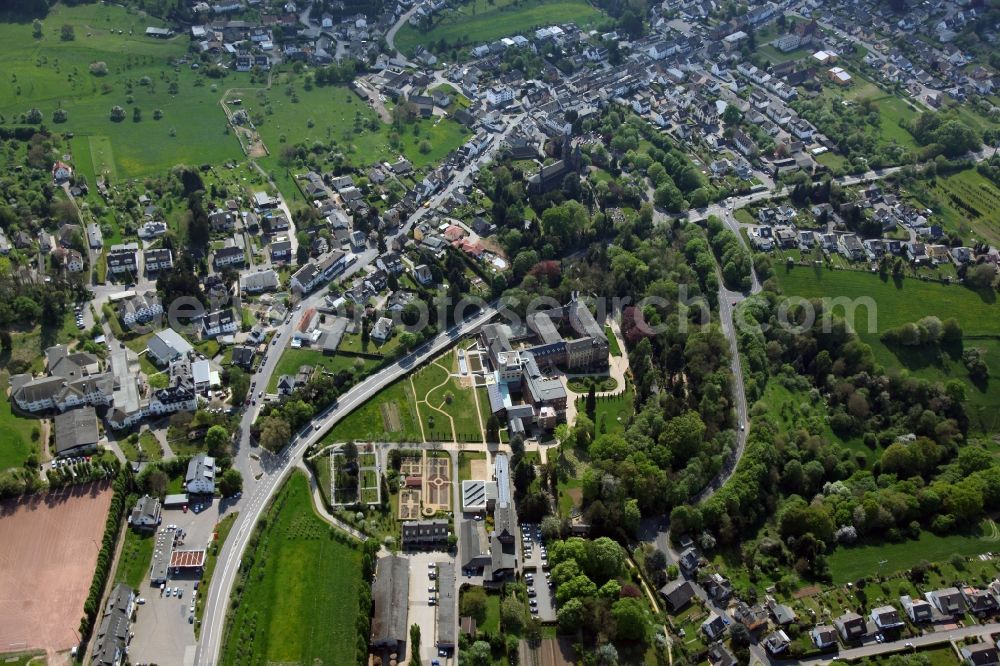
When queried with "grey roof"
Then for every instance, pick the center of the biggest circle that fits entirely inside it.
(390, 596)
(76, 429)
(474, 552)
(502, 472)
(677, 592)
(200, 467)
(147, 507)
(446, 629)
(167, 344)
(112, 633)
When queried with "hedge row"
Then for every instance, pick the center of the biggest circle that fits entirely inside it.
(119, 504)
(363, 625)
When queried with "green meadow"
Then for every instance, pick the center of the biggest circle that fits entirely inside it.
(300, 602)
(485, 20)
(49, 73)
(908, 300)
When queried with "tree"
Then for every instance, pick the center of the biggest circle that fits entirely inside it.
(6, 342)
(424, 147)
(578, 587)
(473, 604)
(415, 643)
(274, 433)
(217, 441)
(36, 29)
(981, 276)
(570, 616)
(117, 114)
(66, 33)
(604, 559)
(231, 482)
(156, 482)
(136, 114)
(512, 615)
(631, 619)
(591, 404)
(478, 654)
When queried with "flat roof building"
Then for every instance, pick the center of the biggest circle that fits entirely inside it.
(446, 623)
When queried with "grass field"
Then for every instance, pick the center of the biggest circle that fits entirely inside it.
(908, 301)
(450, 397)
(850, 564)
(613, 347)
(465, 459)
(613, 413)
(368, 422)
(483, 21)
(16, 443)
(49, 73)
(292, 359)
(334, 114)
(301, 602)
(137, 552)
(977, 217)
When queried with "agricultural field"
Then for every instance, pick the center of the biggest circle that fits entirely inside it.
(50, 73)
(907, 301)
(965, 203)
(302, 606)
(484, 21)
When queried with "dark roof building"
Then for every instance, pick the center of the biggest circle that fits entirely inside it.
(112, 635)
(390, 598)
(76, 430)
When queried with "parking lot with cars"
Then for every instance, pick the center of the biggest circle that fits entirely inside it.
(423, 604)
(164, 626)
(541, 598)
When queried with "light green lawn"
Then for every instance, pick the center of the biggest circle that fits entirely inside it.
(849, 564)
(292, 359)
(301, 601)
(49, 73)
(908, 301)
(484, 21)
(368, 423)
(16, 443)
(136, 555)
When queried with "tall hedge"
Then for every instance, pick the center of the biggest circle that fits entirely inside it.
(119, 504)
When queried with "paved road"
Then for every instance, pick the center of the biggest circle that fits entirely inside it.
(975, 631)
(277, 467)
(390, 37)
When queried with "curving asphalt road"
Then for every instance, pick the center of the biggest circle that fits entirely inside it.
(253, 506)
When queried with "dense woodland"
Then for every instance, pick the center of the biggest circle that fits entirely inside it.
(804, 486)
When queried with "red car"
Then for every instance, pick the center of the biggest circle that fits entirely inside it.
(184, 508)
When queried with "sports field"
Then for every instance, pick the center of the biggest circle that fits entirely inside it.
(300, 604)
(49, 549)
(907, 301)
(50, 73)
(484, 21)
